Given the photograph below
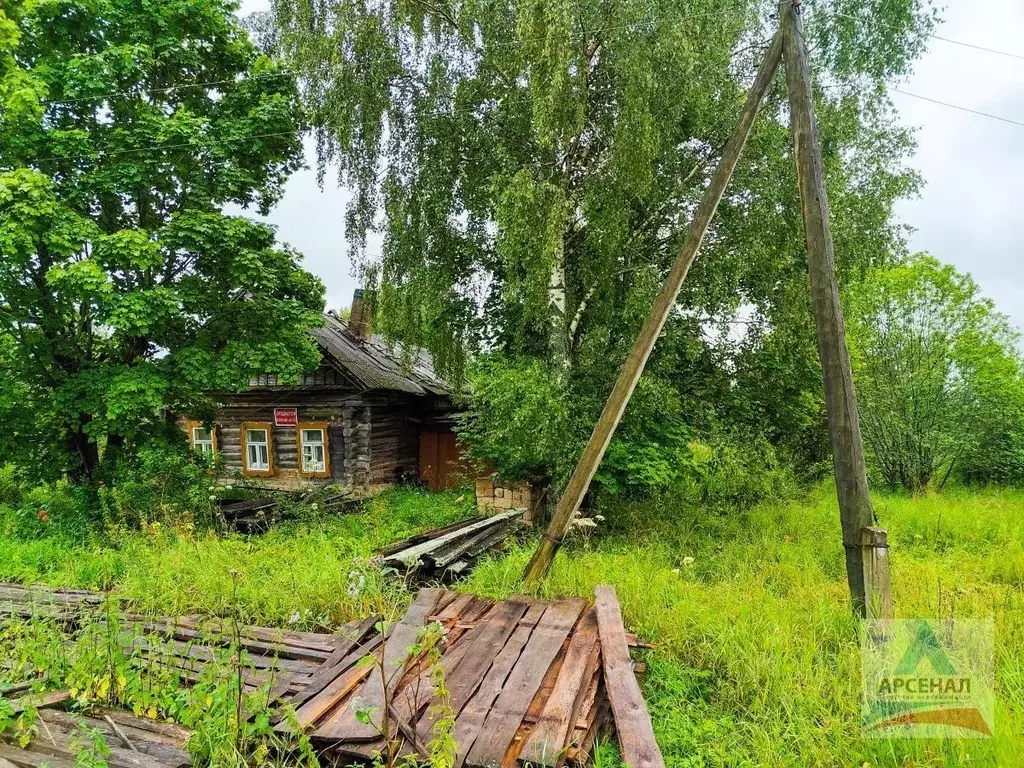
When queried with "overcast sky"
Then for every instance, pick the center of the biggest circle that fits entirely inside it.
(970, 213)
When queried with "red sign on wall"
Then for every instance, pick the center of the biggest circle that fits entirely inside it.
(286, 417)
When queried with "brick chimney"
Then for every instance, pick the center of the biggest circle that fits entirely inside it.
(360, 319)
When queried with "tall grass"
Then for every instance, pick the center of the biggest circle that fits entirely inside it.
(757, 660)
(306, 574)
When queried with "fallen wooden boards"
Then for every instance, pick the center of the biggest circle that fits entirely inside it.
(524, 679)
(632, 723)
(450, 550)
(530, 681)
(133, 742)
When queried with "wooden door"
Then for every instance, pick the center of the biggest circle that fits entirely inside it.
(441, 465)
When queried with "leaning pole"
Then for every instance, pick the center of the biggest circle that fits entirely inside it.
(633, 367)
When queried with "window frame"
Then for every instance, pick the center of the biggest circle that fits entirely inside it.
(323, 427)
(268, 428)
(191, 427)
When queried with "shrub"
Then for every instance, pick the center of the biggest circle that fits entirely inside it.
(734, 469)
(48, 509)
(163, 484)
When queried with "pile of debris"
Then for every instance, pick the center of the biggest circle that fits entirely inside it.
(130, 742)
(528, 681)
(260, 514)
(448, 552)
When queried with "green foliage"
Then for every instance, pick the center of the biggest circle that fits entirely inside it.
(125, 291)
(311, 573)
(733, 471)
(650, 451)
(520, 421)
(162, 484)
(515, 418)
(543, 160)
(57, 510)
(939, 377)
(757, 660)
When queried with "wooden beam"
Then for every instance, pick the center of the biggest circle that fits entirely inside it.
(633, 367)
(874, 543)
(840, 400)
(637, 744)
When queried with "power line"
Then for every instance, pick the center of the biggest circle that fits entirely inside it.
(944, 39)
(978, 47)
(959, 107)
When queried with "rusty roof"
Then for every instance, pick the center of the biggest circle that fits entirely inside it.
(376, 364)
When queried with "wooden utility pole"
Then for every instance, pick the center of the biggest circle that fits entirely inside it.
(840, 400)
(633, 367)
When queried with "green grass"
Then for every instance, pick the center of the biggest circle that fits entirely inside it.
(757, 660)
(298, 574)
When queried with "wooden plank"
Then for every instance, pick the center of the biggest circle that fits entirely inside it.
(469, 721)
(523, 682)
(313, 704)
(414, 553)
(40, 700)
(533, 712)
(25, 759)
(489, 638)
(419, 538)
(549, 737)
(453, 610)
(366, 648)
(632, 723)
(343, 725)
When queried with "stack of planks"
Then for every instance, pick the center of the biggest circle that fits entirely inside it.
(448, 552)
(63, 605)
(249, 515)
(133, 742)
(529, 682)
(258, 515)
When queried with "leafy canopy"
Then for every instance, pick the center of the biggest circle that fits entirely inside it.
(124, 290)
(533, 166)
(939, 379)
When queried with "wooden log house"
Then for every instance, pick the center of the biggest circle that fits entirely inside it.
(369, 416)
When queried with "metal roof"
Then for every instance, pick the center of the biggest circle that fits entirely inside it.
(374, 363)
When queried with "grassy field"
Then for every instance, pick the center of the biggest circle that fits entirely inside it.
(300, 574)
(756, 661)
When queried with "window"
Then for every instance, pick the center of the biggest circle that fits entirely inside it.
(257, 449)
(202, 440)
(314, 456)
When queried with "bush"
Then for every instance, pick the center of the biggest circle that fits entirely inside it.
(163, 484)
(516, 418)
(734, 469)
(49, 509)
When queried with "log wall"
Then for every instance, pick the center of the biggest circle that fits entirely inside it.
(372, 440)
